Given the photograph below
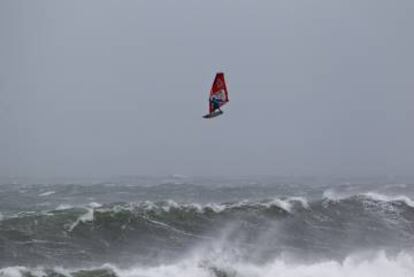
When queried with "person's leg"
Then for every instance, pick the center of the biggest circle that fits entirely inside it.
(216, 106)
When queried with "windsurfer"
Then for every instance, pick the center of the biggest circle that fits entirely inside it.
(218, 96)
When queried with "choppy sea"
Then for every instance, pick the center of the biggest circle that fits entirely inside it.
(215, 227)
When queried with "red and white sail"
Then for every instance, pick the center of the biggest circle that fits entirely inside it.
(219, 90)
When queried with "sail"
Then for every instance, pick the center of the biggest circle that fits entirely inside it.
(219, 90)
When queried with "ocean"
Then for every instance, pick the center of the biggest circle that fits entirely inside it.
(207, 227)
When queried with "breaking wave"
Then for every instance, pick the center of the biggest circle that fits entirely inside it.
(378, 264)
(260, 230)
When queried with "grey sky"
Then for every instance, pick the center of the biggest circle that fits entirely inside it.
(101, 88)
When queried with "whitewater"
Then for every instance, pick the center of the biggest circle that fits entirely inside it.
(212, 227)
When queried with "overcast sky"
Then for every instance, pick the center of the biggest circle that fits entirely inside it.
(103, 88)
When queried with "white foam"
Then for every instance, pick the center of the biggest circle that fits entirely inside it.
(284, 204)
(351, 267)
(149, 205)
(88, 216)
(385, 198)
(94, 205)
(380, 265)
(170, 204)
(217, 208)
(21, 271)
(47, 193)
(15, 271)
(238, 204)
(166, 206)
(301, 200)
(333, 195)
(63, 207)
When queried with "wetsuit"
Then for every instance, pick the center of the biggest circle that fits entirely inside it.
(216, 103)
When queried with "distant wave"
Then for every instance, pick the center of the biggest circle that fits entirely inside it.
(47, 193)
(381, 197)
(279, 206)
